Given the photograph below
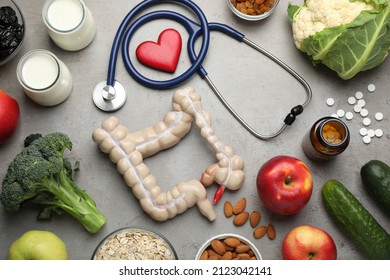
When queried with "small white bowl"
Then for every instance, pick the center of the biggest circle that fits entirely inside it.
(252, 17)
(224, 236)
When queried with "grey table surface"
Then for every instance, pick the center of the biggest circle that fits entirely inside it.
(255, 86)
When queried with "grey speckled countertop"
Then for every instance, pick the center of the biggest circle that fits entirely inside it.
(256, 87)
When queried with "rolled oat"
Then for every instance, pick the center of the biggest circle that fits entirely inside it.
(134, 245)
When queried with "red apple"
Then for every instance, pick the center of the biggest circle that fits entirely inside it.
(284, 184)
(9, 116)
(308, 243)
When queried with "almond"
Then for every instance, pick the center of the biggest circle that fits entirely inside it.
(271, 232)
(259, 232)
(242, 248)
(232, 242)
(228, 248)
(228, 209)
(241, 219)
(255, 218)
(205, 255)
(244, 256)
(211, 252)
(239, 207)
(227, 256)
(218, 247)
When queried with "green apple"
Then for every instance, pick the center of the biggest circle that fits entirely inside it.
(38, 245)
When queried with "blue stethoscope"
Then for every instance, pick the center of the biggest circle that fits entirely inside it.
(110, 95)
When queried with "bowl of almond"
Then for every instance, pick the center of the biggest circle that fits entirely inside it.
(228, 246)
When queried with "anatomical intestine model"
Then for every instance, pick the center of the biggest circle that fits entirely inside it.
(128, 150)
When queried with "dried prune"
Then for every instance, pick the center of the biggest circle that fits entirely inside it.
(8, 16)
(11, 32)
(9, 37)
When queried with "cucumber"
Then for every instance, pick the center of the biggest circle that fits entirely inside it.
(375, 175)
(368, 235)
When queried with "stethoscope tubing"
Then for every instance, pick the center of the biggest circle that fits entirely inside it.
(130, 24)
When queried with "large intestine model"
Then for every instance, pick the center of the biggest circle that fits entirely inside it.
(128, 149)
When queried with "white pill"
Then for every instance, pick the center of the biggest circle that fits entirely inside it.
(379, 116)
(359, 95)
(330, 101)
(349, 115)
(340, 113)
(371, 87)
(361, 103)
(367, 139)
(351, 100)
(363, 131)
(364, 112)
(366, 121)
(371, 132)
(379, 132)
(357, 108)
(334, 115)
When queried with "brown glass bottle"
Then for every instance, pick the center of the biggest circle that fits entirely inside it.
(327, 138)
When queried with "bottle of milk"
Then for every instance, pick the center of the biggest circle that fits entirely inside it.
(70, 23)
(44, 78)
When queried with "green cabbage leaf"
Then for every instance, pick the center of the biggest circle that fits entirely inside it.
(350, 48)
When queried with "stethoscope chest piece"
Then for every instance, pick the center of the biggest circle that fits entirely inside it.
(109, 98)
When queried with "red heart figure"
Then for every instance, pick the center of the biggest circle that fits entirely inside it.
(163, 55)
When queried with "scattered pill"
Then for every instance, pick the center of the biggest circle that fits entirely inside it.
(379, 132)
(351, 100)
(371, 87)
(367, 139)
(357, 108)
(379, 116)
(340, 113)
(371, 132)
(349, 115)
(364, 112)
(330, 101)
(363, 131)
(359, 95)
(358, 104)
(361, 103)
(366, 121)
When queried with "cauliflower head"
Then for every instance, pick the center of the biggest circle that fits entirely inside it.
(316, 15)
(348, 36)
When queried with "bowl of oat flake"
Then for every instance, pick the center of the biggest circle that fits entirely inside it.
(134, 244)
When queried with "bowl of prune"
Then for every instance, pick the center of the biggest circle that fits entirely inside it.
(12, 30)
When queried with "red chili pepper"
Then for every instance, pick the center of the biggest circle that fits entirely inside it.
(218, 194)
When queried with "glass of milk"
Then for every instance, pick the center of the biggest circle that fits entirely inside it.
(44, 78)
(70, 23)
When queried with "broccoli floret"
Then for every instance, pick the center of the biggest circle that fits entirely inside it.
(40, 174)
(31, 138)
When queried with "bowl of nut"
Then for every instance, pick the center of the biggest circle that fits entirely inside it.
(252, 10)
(134, 244)
(12, 30)
(228, 246)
